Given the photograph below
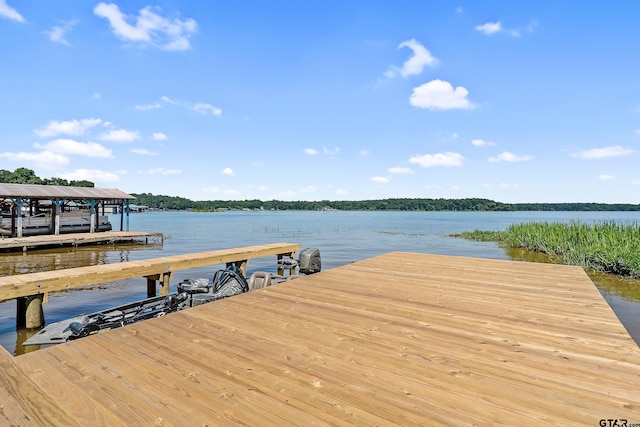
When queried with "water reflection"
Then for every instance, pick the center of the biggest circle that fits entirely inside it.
(59, 258)
(22, 336)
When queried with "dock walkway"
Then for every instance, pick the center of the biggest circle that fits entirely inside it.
(76, 239)
(399, 339)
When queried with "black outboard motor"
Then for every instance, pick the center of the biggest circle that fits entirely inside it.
(310, 261)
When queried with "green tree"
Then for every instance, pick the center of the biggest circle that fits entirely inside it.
(25, 176)
(28, 176)
(81, 183)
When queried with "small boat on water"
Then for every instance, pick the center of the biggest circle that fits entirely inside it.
(190, 293)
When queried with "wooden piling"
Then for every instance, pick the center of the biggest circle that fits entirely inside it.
(29, 312)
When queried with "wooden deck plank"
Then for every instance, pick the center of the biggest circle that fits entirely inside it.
(24, 403)
(399, 339)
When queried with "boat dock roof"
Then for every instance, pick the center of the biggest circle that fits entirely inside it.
(399, 339)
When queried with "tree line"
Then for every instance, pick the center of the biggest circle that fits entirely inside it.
(28, 176)
(179, 203)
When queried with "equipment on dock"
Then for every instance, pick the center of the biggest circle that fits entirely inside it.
(190, 293)
(308, 262)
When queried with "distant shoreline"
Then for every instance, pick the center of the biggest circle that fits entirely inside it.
(163, 202)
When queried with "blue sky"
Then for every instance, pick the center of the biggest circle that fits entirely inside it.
(326, 99)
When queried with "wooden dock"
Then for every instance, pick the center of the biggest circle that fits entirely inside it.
(399, 339)
(76, 239)
(22, 285)
(30, 289)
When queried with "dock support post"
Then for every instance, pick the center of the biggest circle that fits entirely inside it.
(93, 221)
(29, 312)
(164, 279)
(57, 203)
(151, 287)
(292, 269)
(18, 206)
(127, 212)
(164, 283)
(242, 265)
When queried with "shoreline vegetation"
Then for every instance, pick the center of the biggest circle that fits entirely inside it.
(607, 246)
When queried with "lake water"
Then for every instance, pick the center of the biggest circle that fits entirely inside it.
(342, 237)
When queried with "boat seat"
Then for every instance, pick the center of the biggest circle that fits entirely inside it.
(259, 279)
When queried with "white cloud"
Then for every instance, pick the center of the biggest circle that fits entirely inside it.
(438, 159)
(286, 194)
(143, 152)
(228, 171)
(45, 159)
(145, 107)
(308, 189)
(532, 25)
(90, 175)
(207, 108)
(120, 135)
(605, 177)
(365, 152)
(69, 146)
(328, 152)
(482, 143)
(414, 65)
(380, 179)
(489, 28)
(440, 95)
(211, 189)
(198, 107)
(149, 29)
(97, 95)
(341, 192)
(9, 12)
(510, 157)
(310, 151)
(70, 127)
(163, 171)
(601, 153)
(508, 185)
(159, 136)
(57, 33)
(400, 170)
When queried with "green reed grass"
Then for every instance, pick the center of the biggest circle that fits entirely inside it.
(606, 246)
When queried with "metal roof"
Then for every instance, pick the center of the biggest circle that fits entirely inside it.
(49, 192)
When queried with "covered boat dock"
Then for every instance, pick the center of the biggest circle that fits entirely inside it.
(29, 209)
(400, 339)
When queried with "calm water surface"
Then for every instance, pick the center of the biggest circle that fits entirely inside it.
(342, 237)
